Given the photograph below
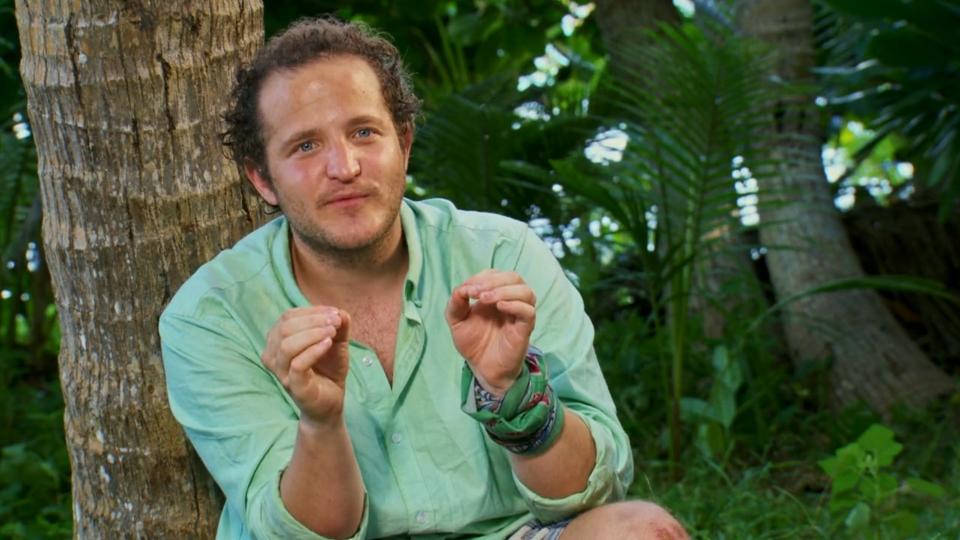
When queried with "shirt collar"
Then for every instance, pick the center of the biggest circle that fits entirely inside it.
(408, 220)
(283, 265)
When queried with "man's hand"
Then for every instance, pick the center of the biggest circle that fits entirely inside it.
(307, 349)
(493, 331)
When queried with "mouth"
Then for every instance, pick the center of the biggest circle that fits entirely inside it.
(346, 199)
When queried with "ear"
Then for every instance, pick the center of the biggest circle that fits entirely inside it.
(260, 182)
(406, 143)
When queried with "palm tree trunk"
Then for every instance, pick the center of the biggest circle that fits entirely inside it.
(622, 24)
(124, 102)
(872, 357)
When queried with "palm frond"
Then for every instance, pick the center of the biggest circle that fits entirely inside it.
(475, 150)
(700, 103)
(894, 66)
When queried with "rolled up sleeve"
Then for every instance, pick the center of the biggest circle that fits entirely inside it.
(565, 334)
(274, 521)
(239, 420)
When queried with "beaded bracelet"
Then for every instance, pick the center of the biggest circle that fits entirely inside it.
(528, 419)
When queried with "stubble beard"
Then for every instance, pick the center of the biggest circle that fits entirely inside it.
(326, 246)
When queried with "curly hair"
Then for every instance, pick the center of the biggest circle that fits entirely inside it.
(303, 42)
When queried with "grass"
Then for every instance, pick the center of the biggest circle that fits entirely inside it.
(781, 492)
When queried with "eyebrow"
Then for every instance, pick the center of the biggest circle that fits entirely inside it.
(313, 132)
(300, 135)
(364, 119)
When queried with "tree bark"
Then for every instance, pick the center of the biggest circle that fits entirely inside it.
(124, 102)
(622, 24)
(872, 357)
(621, 21)
(908, 238)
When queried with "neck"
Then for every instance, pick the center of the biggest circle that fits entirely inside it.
(335, 277)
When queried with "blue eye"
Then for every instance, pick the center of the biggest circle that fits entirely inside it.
(363, 133)
(305, 146)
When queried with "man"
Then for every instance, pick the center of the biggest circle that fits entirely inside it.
(364, 365)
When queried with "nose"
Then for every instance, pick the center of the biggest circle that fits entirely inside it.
(342, 163)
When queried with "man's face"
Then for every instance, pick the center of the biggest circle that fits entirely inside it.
(336, 163)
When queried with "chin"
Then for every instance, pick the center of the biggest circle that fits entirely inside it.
(354, 242)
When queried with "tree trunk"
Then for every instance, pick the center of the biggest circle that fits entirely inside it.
(621, 21)
(622, 24)
(124, 102)
(908, 238)
(872, 357)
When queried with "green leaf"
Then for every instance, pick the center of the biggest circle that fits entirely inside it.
(853, 453)
(845, 467)
(471, 27)
(723, 405)
(903, 522)
(696, 409)
(841, 503)
(711, 439)
(907, 47)
(832, 466)
(886, 486)
(845, 481)
(875, 9)
(879, 488)
(720, 358)
(858, 518)
(727, 369)
(924, 487)
(879, 440)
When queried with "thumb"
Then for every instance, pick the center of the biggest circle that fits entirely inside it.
(343, 330)
(458, 308)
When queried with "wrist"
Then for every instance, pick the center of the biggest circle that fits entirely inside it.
(318, 429)
(528, 419)
(499, 386)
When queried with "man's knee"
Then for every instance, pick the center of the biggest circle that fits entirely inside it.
(628, 520)
(642, 520)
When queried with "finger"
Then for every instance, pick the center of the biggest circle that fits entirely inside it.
(343, 327)
(295, 313)
(490, 279)
(458, 308)
(524, 312)
(480, 277)
(301, 367)
(521, 292)
(293, 322)
(304, 362)
(292, 346)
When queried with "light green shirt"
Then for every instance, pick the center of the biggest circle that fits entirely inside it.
(428, 469)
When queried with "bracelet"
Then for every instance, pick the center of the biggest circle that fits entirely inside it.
(527, 419)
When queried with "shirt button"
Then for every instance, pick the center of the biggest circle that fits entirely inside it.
(421, 517)
(367, 361)
(396, 438)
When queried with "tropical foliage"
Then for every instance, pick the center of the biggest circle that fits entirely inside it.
(895, 65)
(646, 191)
